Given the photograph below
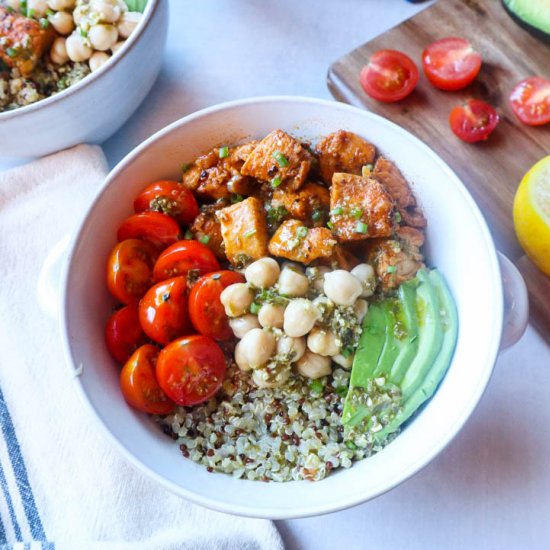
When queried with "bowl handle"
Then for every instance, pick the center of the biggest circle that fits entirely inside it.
(48, 288)
(516, 303)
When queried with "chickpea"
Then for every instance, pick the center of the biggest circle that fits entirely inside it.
(299, 317)
(109, 11)
(293, 348)
(259, 378)
(59, 5)
(58, 51)
(360, 307)
(323, 342)
(240, 359)
(39, 7)
(271, 316)
(127, 23)
(241, 325)
(257, 347)
(342, 287)
(312, 365)
(80, 14)
(117, 46)
(345, 362)
(236, 299)
(97, 60)
(316, 276)
(103, 37)
(77, 49)
(367, 278)
(262, 273)
(62, 22)
(292, 282)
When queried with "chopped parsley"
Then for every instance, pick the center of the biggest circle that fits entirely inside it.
(255, 308)
(316, 386)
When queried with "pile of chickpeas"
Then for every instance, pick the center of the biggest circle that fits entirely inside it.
(293, 330)
(91, 30)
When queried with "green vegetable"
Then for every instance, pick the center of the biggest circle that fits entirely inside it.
(532, 15)
(397, 217)
(391, 269)
(136, 5)
(330, 225)
(44, 23)
(223, 152)
(249, 233)
(275, 214)
(337, 211)
(301, 232)
(276, 181)
(317, 386)
(361, 227)
(205, 239)
(282, 161)
(317, 215)
(12, 52)
(235, 198)
(255, 308)
(357, 213)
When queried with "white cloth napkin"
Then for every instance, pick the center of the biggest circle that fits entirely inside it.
(60, 482)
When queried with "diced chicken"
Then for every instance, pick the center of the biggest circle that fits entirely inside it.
(23, 41)
(343, 152)
(244, 231)
(295, 242)
(281, 158)
(387, 173)
(212, 177)
(207, 227)
(310, 204)
(411, 235)
(360, 208)
(341, 258)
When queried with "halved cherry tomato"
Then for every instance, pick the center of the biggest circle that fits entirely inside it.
(130, 269)
(168, 197)
(163, 310)
(205, 309)
(139, 384)
(123, 333)
(191, 369)
(474, 121)
(530, 100)
(389, 76)
(160, 229)
(182, 257)
(451, 63)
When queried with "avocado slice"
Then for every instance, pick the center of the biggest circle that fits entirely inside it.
(449, 322)
(532, 15)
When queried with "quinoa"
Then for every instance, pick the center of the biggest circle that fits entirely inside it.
(288, 433)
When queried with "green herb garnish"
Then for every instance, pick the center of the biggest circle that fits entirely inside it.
(276, 181)
(249, 233)
(44, 23)
(357, 213)
(301, 232)
(282, 161)
(223, 152)
(185, 167)
(205, 239)
(255, 308)
(361, 227)
(397, 217)
(337, 211)
(235, 198)
(188, 235)
(391, 269)
(316, 215)
(330, 225)
(342, 391)
(316, 386)
(12, 52)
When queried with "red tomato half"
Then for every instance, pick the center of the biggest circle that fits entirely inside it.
(205, 309)
(123, 333)
(139, 384)
(451, 63)
(389, 76)
(168, 197)
(160, 229)
(182, 257)
(163, 310)
(474, 121)
(191, 369)
(530, 100)
(130, 270)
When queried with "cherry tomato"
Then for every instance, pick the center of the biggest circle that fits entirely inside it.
(530, 100)
(163, 310)
(389, 76)
(130, 270)
(474, 121)
(182, 257)
(139, 384)
(205, 309)
(123, 333)
(169, 197)
(160, 229)
(191, 369)
(451, 63)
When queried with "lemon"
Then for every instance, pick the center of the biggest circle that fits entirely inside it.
(532, 214)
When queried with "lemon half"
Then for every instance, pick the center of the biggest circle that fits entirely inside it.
(532, 214)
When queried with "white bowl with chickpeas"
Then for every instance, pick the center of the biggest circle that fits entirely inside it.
(73, 71)
(458, 240)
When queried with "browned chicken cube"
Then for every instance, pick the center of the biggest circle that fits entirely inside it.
(207, 228)
(279, 159)
(343, 151)
(387, 173)
(244, 231)
(360, 208)
(310, 204)
(23, 41)
(294, 241)
(214, 176)
(341, 258)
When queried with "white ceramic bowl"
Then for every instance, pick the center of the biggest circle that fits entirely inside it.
(459, 244)
(97, 106)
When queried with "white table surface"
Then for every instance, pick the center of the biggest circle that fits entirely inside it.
(490, 489)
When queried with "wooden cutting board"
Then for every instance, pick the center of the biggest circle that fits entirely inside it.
(492, 170)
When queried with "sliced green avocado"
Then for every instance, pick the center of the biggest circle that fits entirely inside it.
(532, 15)
(449, 322)
(390, 351)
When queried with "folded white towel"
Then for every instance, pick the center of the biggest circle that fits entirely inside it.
(60, 481)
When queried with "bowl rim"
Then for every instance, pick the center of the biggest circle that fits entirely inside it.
(276, 513)
(129, 44)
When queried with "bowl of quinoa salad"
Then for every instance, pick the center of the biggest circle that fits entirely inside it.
(256, 375)
(69, 61)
